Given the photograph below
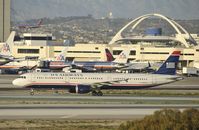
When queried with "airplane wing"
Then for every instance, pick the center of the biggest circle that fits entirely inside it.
(98, 85)
(137, 66)
(88, 69)
(4, 61)
(25, 58)
(6, 56)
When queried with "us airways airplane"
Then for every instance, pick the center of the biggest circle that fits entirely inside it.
(94, 82)
(92, 66)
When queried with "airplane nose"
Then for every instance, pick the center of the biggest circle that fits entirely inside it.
(16, 82)
(21, 83)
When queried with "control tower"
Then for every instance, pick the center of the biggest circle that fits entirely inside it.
(4, 19)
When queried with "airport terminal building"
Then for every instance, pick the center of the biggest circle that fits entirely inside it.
(152, 46)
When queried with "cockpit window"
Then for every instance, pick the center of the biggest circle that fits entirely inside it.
(23, 77)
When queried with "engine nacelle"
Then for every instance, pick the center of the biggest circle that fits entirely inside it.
(81, 89)
(44, 64)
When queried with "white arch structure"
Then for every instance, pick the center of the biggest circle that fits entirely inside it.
(181, 36)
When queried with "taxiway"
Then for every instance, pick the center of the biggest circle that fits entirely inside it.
(82, 111)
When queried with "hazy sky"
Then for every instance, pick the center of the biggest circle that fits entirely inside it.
(178, 9)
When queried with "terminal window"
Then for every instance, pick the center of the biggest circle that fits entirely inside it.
(188, 54)
(28, 51)
(133, 52)
(38, 38)
(57, 51)
(117, 52)
(83, 51)
(154, 52)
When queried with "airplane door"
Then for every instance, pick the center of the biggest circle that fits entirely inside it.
(154, 79)
(109, 78)
(66, 78)
(33, 77)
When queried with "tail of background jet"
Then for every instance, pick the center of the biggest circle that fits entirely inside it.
(61, 56)
(109, 56)
(170, 65)
(7, 46)
(123, 56)
(39, 22)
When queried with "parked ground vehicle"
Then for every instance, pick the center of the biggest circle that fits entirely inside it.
(190, 71)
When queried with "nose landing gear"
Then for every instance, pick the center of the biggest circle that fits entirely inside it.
(97, 93)
(32, 92)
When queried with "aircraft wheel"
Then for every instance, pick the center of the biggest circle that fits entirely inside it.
(100, 93)
(32, 92)
(94, 93)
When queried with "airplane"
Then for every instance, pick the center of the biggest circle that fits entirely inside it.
(83, 83)
(90, 66)
(61, 57)
(28, 26)
(9, 63)
(5, 54)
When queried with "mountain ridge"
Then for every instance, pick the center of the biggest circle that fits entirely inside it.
(33, 9)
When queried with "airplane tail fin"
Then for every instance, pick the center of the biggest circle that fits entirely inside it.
(61, 56)
(7, 46)
(109, 56)
(149, 64)
(39, 22)
(123, 56)
(170, 65)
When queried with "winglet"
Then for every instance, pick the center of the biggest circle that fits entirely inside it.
(126, 80)
(149, 64)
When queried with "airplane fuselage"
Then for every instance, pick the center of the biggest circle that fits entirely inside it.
(67, 80)
(89, 66)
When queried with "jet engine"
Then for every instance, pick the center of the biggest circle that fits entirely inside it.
(81, 89)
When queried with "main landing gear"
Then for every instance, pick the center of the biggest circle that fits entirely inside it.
(32, 92)
(97, 93)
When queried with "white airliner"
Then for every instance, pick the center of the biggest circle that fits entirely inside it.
(91, 66)
(94, 82)
(11, 64)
